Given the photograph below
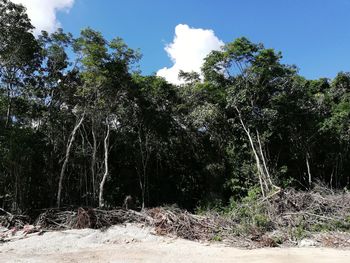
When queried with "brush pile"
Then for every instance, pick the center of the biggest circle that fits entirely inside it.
(9, 220)
(87, 218)
(287, 216)
(166, 221)
(320, 208)
(181, 223)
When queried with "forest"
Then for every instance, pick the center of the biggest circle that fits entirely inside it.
(80, 125)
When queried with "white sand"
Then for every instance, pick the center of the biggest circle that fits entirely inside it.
(133, 243)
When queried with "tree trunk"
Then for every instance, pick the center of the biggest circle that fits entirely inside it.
(9, 108)
(66, 160)
(264, 161)
(93, 162)
(308, 169)
(104, 178)
(261, 173)
(142, 191)
(145, 155)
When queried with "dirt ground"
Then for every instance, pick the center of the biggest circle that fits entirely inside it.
(133, 243)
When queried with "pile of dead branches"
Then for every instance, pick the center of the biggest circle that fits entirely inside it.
(9, 220)
(166, 221)
(290, 208)
(180, 223)
(169, 221)
(249, 224)
(87, 218)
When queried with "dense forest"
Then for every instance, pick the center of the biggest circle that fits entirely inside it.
(81, 126)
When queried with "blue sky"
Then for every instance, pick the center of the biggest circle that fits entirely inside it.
(312, 34)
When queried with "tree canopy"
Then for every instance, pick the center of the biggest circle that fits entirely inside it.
(80, 125)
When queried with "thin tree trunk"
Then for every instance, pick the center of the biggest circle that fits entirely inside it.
(308, 169)
(93, 162)
(9, 108)
(66, 160)
(143, 179)
(142, 191)
(8, 113)
(331, 180)
(263, 160)
(257, 159)
(16, 192)
(84, 178)
(104, 178)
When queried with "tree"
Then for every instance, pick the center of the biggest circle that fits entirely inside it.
(79, 120)
(19, 52)
(19, 59)
(106, 80)
(253, 76)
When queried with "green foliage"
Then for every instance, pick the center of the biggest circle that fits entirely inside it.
(217, 238)
(249, 213)
(183, 144)
(298, 233)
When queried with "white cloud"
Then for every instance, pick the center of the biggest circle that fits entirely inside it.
(43, 12)
(188, 50)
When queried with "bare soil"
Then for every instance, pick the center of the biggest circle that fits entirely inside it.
(136, 243)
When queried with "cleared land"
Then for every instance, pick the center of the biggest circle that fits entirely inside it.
(133, 243)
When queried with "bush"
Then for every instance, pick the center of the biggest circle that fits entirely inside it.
(250, 214)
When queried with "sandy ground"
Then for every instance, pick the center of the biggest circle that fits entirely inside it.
(133, 243)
